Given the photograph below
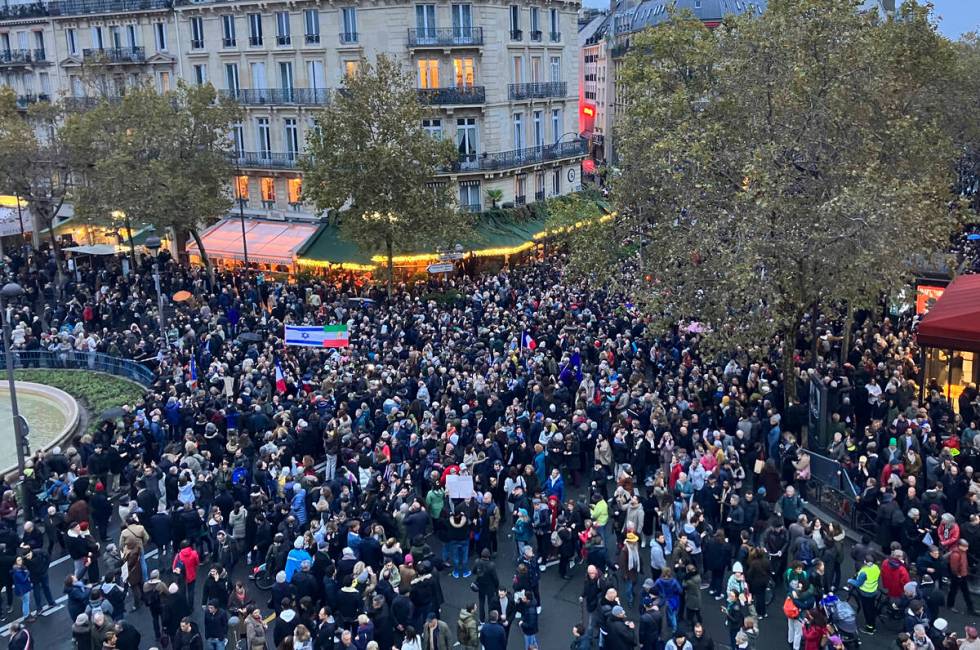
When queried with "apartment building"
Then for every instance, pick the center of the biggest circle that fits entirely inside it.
(501, 79)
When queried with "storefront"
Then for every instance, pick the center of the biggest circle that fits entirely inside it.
(949, 335)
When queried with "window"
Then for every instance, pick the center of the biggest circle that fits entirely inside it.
(554, 25)
(556, 68)
(45, 80)
(257, 72)
(350, 67)
(241, 189)
(115, 37)
(518, 69)
(97, 43)
(255, 30)
(463, 70)
(160, 34)
(462, 21)
(433, 127)
(535, 24)
(294, 192)
(292, 138)
(231, 78)
(315, 76)
(282, 28)
(537, 120)
(286, 78)
(238, 136)
(200, 74)
(425, 21)
(466, 139)
(163, 82)
(556, 182)
(428, 73)
(349, 24)
(77, 89)
(131, 39)
(520, 189)
(518, 130)
(228, 31)
(263, 137)
(469, 196)
(515, 23)
(268, 185)
(39, 44)
(311, 18)
(556, 128)
(535, 69)
(72, 41)
(197, 33)
(539, 186)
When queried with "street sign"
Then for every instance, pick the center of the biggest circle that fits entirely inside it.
(443, 267)
(446, 257)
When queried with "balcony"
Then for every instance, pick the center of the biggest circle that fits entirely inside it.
(536, 90)
(312, 39)
(348, 38)
(23, 101)
(520, 157)
(472, 208)
(520, 199)
(446, 37)
(516, 35)
(228, 42)
(283, 40)
(115, 54)
(265, 160)
(83, 7)
(197, 43)
(539, 195)
(275, 96)
(15, 57)
(453, 96)
(255, 41)
(555, 37)
(537, 35)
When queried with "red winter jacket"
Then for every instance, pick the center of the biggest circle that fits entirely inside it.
(894, 577)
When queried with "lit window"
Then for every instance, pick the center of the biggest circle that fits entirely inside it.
(268, 189)
(241, 187)
(428, 73)
(350, 68)
(294, 187)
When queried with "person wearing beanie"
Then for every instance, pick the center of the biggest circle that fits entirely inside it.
(155, 594)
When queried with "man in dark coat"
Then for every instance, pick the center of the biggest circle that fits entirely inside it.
(492, 634)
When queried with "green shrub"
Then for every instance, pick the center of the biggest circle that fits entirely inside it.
(95, 391)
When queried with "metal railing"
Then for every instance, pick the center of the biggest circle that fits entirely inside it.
(453, 95)
(537, 90)
(16, 12)
(471, 207)
(266, 160)
(619, 51)
(555, 37)
(23, 101)
(445, 37)
(79, 7)
(516, 35)
(89, 361)
(116, 54)
(348, 38)
(86, 103)
(519, 157)
(539, 195)
(265, 96)
(15, 57)
(537, 35)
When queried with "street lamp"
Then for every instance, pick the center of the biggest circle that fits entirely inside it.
(153, 244)
(12, 291)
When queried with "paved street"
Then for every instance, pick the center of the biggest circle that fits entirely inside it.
(561, 608)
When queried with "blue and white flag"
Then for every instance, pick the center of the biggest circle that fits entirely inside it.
(317, 336)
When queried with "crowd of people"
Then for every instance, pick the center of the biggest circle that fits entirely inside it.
(666, 482)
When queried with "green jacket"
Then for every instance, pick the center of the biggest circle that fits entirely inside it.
(435, 501)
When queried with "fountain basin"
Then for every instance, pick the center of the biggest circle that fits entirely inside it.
(51, 413)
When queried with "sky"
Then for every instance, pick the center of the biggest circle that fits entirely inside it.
(955, 16)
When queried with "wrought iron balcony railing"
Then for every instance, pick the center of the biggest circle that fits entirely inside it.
(520, 157)
(273, 96)
(265, 160)
(536, 90)
(15, 57)
(115, 54)
(453, 95)
(82, 7)
(445, 37)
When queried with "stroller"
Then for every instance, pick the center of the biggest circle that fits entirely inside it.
(843, 620)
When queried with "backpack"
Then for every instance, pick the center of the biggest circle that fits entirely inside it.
(790, 609)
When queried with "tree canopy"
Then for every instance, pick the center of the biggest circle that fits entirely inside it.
(781, 165)
(371, 161)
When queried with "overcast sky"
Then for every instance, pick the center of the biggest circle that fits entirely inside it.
(955, 16)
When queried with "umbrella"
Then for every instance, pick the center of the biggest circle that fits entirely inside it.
(113, 413)
(181, 296)
(250, 337)
(973, 236)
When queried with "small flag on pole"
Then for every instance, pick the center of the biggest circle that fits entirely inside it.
(280, 379)
(317, 336)
(527, 341)
(193, 373)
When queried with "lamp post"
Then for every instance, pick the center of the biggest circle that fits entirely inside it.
(241, 217)
(11, 291)
(153, 244)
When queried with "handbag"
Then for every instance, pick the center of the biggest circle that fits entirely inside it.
(790, 609)
(758, 466)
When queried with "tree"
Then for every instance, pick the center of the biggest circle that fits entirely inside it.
(163, 159)
(780, 165)
(34, 163)
(370, 156)
(495, 196)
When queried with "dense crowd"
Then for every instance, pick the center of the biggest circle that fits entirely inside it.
(615, 455)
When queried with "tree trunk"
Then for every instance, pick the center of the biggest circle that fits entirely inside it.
(789, 374)
(389, 249)
(132, 245)
(845, 344)
(205, 260)
(59, 278)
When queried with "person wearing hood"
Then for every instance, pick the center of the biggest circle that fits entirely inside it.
(467, 628)
(296, 557)
(286, 622)
(175, 608)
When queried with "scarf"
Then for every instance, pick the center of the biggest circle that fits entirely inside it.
(632, 557)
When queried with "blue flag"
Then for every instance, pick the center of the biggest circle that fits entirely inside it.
(572, 372)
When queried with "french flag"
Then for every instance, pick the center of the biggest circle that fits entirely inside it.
(280, 378)
(193, 373)
(528, 342)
